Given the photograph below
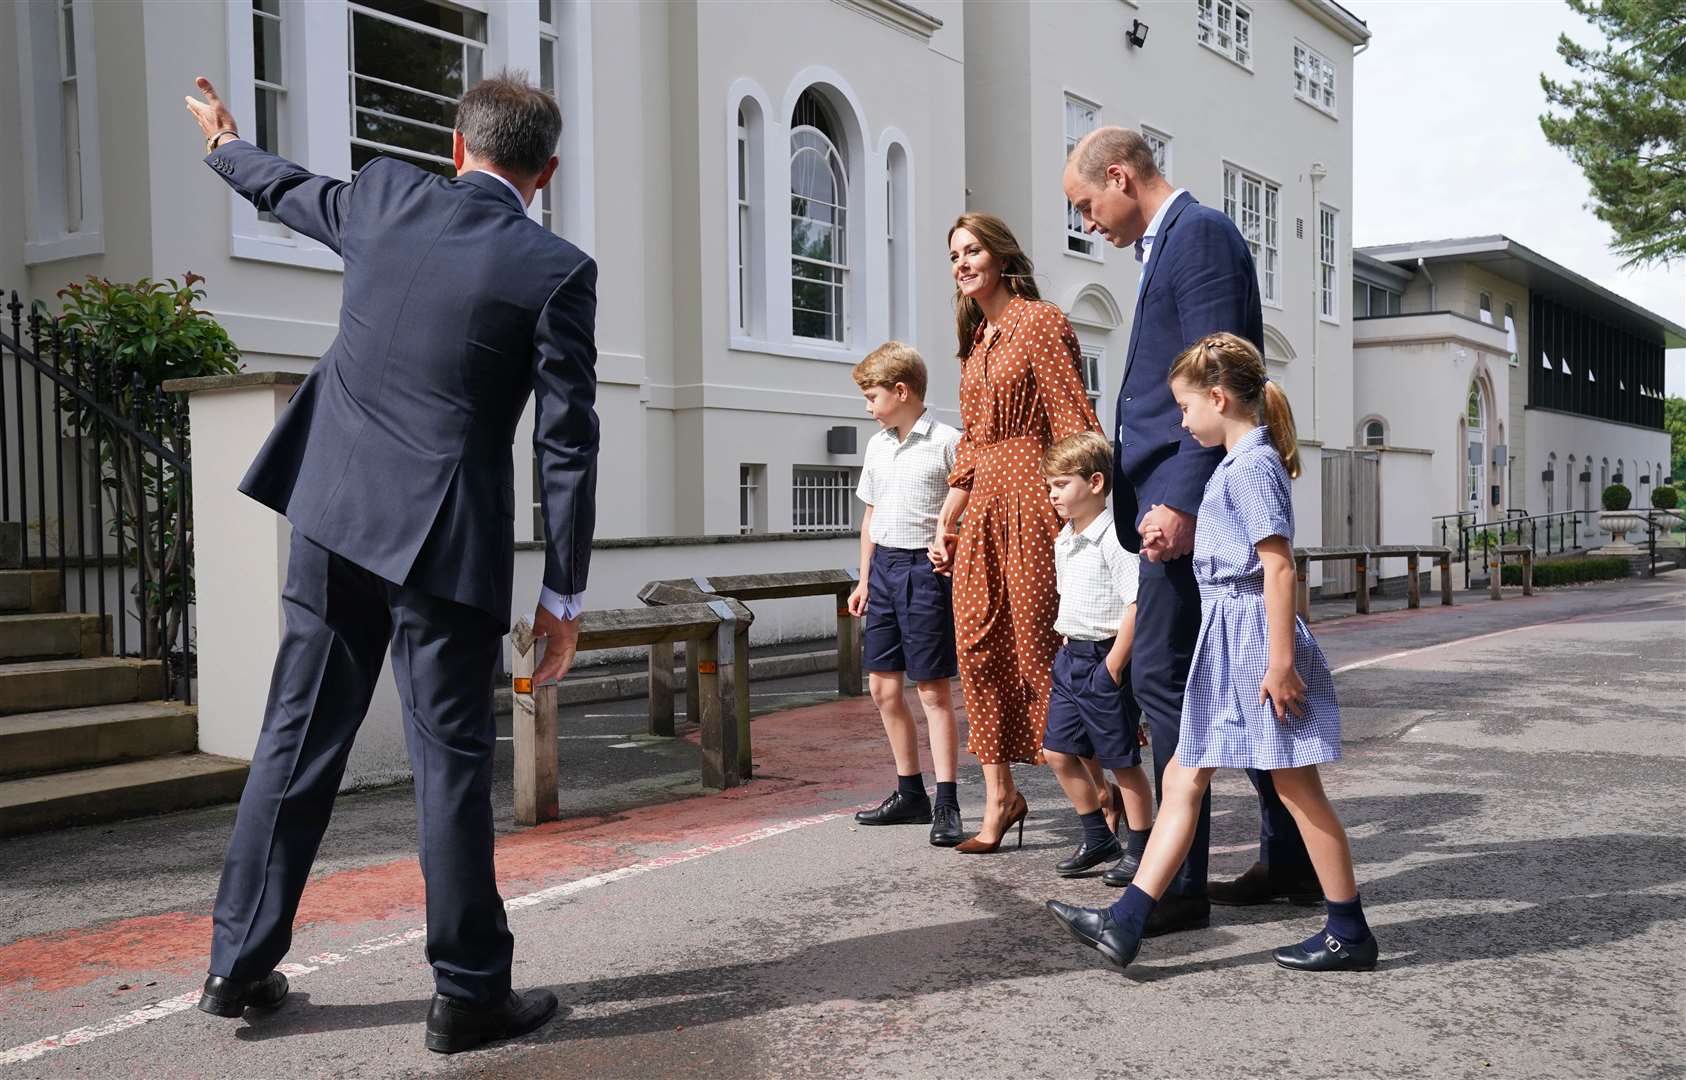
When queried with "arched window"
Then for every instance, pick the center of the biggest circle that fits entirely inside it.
(819, 206)
(1620, 476)
(1603, 476)
(898, 241)
(1475, 438)
(1550, 482)
(748, 276)
(1374, 433)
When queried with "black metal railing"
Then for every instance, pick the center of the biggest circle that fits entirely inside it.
(130, 480)
(1560, 532)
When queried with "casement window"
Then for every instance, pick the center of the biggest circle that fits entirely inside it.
(1314, 78)
(819, 227)
(411, 63)
(1328, 248)
(59, 144)
(1160, 144)
(898, 242)
(1081, 117)
(752, 498)
(1254, 204)
(822, 498)
(1090, 370)
(1225, 26)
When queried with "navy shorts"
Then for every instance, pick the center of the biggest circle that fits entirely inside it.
(1089, 715)
(909, 617)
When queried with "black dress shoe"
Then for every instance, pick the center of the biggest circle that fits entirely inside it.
(1095, 929)
(223, 997)
(1329, 954)
(898, 809)
(1086, 858)
(1124, 873)
(1176, 912)
(454, 1025)
(1259, 886)
(945, 826)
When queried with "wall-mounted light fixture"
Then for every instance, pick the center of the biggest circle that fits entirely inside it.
(1137, 34)
(840, 440)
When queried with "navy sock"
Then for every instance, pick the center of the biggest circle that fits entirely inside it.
(1346, 921)
(947, 794)
(911, 787)
(1131, 910)
(1136, 840)
(1095, 831)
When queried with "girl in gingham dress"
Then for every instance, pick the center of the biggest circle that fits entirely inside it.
(1259, 691)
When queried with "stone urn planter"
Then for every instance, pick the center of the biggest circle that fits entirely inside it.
(1618, 523)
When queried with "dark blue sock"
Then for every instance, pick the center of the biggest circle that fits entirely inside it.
(1095, 832)
(947, 794)
(911, 787)
(1346, 921)
(1131, 910)
(1136, 840)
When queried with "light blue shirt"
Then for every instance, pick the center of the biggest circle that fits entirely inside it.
(1144, 246)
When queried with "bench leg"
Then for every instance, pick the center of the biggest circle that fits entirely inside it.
(1302, 587)
(1528, 573)
(536, 796)
(1363, 585)
(848, 652)
(719, 735)
(1413, 584)
(693, 687)
(740, 697)
(1445, 562)
(1495, 576)
(661, 688)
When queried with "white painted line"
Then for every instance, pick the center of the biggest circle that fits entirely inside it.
(624, 745)
(158, 1010)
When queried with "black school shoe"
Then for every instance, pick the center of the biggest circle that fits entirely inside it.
(946, 830)
(1094, 929)
(1124, 873)
(898, 809)
(1086, 858)
(1175, 913)
(1259, 886)
(223, 997)
(454, 1025)
(1329, 954)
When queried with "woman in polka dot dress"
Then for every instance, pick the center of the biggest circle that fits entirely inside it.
(1019, 394)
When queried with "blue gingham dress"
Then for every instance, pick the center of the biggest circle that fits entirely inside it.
(1223, 724)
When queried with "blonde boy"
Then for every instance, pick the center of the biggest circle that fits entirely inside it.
(907, 605)
(1093, 720)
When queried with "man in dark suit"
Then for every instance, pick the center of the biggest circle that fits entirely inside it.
(394, 464)
(1197, 278)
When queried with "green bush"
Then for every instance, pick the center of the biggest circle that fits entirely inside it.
(1665, 498)
(1568, 571)
(1617, 497)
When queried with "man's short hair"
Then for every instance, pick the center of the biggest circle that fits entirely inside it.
(1113, 146)
(891, 363)
(509, 122)
(1083, 454)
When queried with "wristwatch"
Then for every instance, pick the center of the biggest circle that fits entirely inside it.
(211, 143)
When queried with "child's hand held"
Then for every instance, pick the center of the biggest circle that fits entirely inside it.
(857, 600)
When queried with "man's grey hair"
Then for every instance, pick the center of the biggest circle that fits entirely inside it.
(1113, 146)
(509, 122)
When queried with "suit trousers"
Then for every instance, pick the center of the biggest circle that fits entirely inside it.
(1167, 625)
(340, 620)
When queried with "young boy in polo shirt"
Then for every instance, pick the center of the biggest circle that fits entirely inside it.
(1093, 721)
(907, 605)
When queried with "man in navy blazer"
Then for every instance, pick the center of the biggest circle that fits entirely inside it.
(1197, 278)
(394, 465)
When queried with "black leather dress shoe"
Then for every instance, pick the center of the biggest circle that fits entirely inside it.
(223, 997)
(898, 809)
(454, 1025)
(1176, 912)
(1259, 886)
(1086, 858)
(945, 826)
(1095, 929)
(1329, 954)
(1124, 873)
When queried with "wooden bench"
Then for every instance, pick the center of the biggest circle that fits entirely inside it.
(1362, 555)
(1496, 572)
(717, 633)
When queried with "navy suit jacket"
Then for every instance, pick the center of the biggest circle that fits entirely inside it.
(1199, 279)
(395, 453)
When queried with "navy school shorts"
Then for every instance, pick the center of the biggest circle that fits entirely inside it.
(909, 617)
(1089, 715)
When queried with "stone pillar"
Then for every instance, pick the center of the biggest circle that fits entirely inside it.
(239, 551)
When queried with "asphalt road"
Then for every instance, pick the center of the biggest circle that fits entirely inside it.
(1512, 782)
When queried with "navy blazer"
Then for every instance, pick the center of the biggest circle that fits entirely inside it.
(1199, 279)
(395, 453)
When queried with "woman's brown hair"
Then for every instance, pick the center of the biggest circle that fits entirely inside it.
(1016, 271)
(1233, 363)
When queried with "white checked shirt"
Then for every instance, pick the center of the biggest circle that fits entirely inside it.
(1096, 578)
(906, 480)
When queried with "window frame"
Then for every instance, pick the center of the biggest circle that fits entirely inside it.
(355, 9)
(1093, 366)
(1328, 264)
(45, 154)
(1313, 61)
(840, 286)
(1269, 270)
(1153, 134)
(841, 491)
(1207, 28)
(1082, 245)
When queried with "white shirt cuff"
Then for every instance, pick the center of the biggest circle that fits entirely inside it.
(563, 607)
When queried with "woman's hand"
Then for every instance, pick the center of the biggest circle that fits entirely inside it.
(857, 601)
(941, 552)
(1284, 691)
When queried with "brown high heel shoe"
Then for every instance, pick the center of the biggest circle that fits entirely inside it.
(1015, 816)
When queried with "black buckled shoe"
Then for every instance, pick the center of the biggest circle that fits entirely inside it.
(1086, 858)
(1124, 873)
(1328, 953)
(1095, 929)
(1259, 886)
(454, 1025)
(223, 997)
(898, 809)
(1175, 913)
(945, 826)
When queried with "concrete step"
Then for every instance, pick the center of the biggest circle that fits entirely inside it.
(39, 685)
(11, 545)
(37, 636)
(30, 590)
(111, 792)
(63, 739)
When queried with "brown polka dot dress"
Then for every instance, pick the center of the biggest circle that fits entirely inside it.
(1019, 394)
